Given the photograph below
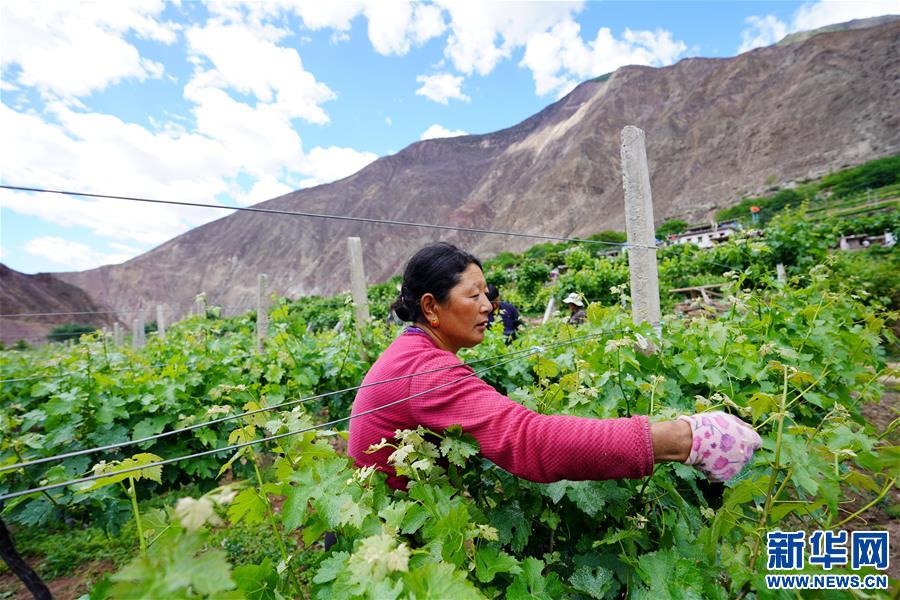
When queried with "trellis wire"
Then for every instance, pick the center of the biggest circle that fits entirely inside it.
(47, 488)
(276, 211)
(286, 404)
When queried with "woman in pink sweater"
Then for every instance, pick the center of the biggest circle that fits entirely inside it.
(443, 295)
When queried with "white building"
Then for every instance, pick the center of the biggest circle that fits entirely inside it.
(706, 236)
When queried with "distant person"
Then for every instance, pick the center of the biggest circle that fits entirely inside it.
(509, 314)
(577, 314)
(392, 318)
(420, 380)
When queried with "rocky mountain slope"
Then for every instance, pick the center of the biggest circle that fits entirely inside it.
(42, 293)
(717, 130)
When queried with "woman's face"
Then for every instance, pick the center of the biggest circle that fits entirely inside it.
(462, 317)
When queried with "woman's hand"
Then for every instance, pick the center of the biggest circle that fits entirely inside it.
(722, 444)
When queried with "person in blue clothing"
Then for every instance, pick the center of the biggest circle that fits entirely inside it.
(509, 314)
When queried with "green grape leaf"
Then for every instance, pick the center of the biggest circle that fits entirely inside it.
(512, 527)
(247, 506)
(331, 567)
(149, 426)
(293, 511)
(210, 573)
(415, 517)
(257, 582)
(588, 496)
(36, 513)
(439, 580)
(546, 368)
(531, 585)
(669, 576)
(207, 437)
(597, 582)
(138, 460)
(394, 513)
(458, 446)
(556, 490)
(490, 560)
(111, 409)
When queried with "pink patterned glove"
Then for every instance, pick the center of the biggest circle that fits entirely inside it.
(723, 444)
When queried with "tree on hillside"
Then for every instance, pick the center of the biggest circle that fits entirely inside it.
(70, 331)
(670, 226)
(615, 237)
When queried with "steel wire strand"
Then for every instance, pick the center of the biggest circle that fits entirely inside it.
(83, 312)
(335, 303)
(111, 369)
(328, 216)
(169, 461)
(294, 402)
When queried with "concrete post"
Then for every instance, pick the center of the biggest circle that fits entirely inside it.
(639, 227)
(160, 322)
(262, 311)
(779, 269)
(137, 332)
(200, 304)
(358, 283)
(117, 334)
(549, 312)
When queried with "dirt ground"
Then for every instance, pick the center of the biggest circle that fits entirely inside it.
(74, 585)
(880, 416)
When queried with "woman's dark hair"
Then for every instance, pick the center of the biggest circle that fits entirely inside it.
(434, 270)
(492, 292)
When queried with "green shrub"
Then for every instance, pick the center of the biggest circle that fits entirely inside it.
(503, 260)
(531, 276)
(670, 226)
(871, 175)
(70, 331)
(614, 237)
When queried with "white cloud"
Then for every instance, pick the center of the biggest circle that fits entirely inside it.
(479, 36)
(230, 138)
(70, 254)
(52, 42)
(101, 154)
(438, 131)
(264, 188)
(441, 87)
(126, 249)
(388, 121)
(813, 15)
(324, 165)
(243, 61)
(766, 30)
(559, 58)
(394, 26)
(2, 252)
(322, 15)
(428, 23)
(484, 33)
(762, 31)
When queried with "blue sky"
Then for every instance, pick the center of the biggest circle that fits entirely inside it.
(235, 103)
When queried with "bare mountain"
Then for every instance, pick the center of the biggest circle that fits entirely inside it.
(22, 294)
(802, 36)
(717, 129)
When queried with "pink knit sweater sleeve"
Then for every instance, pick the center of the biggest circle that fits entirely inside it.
(540, 448)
